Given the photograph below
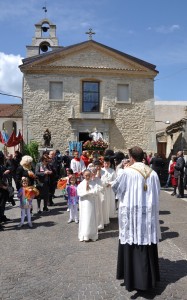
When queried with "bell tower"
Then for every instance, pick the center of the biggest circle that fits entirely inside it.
(45, 39)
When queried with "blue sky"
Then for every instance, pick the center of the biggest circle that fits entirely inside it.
(155, 31)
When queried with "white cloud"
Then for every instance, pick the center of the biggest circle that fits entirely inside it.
(85, 25)
(10, 75)
(167, 29)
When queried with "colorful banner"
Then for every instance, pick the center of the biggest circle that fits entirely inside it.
(12, 141)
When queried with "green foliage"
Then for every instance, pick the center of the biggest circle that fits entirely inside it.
(32, 150)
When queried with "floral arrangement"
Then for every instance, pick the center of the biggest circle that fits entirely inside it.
(95, 145)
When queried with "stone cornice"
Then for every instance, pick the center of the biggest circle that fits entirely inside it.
(86, 69)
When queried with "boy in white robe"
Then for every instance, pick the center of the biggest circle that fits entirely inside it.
(95, 170)
(107, 177)
(87, 190)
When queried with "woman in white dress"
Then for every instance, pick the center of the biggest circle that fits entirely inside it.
(87, 190)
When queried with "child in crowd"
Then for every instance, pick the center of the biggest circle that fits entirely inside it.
(95, 173)
(26, 194)
(174, 180)
(72, 199)
(64, 182)
(87, 190)
(69, 172)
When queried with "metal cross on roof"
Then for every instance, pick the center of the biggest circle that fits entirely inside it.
(90, 33)
(45, 8)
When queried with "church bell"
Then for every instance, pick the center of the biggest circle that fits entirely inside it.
(44, 48)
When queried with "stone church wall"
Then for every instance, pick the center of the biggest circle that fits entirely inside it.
(132, 124)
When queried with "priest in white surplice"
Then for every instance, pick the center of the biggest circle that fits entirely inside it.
(137, 189)
(88, 190)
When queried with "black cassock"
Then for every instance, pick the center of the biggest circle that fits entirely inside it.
(138, 266)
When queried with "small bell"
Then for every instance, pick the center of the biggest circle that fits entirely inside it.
(145, 187)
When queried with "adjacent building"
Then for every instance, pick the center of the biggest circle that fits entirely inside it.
(10, 119)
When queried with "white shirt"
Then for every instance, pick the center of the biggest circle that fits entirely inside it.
(77, 166)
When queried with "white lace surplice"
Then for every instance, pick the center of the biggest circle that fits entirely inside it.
(138, 209)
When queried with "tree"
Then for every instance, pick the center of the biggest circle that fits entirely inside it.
(32, 150)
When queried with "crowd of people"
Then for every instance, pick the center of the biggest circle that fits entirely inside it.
(177, 174)
(98, 188)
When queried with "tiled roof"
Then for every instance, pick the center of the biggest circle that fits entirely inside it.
(51, 53)
(11, 111)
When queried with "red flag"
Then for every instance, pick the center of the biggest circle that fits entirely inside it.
(13, 139)
(19, 137)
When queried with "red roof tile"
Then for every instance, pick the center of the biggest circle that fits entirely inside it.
(11, 111)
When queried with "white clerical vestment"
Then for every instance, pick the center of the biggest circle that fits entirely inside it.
(99, 204)
(88, 225)
(107, 177)
(138, 189)
(77, 166)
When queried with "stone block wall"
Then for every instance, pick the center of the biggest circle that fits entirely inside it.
(132, 124)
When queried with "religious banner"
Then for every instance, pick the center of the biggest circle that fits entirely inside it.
(3, 137)
(75, 146)
(12, 141)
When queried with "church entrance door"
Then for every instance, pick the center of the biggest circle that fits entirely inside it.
(84, 136)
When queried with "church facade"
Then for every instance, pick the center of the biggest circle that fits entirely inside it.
(71, 90)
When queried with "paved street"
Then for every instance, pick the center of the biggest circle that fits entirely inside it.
(48, 262)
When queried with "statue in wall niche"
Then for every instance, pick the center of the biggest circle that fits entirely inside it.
(95, 135)
(47, 138)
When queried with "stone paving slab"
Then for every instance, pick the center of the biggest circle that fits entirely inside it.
(48, 262)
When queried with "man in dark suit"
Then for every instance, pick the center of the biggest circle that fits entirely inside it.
(179, 173)
(157, 164)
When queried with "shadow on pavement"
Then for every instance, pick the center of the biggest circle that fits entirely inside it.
(164, 212)
(26, 227)
(111, 230)
(54, 211)
(167, 234)
(171, 272)
(109, 234)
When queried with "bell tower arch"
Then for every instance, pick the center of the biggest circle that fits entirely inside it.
(45, 39)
